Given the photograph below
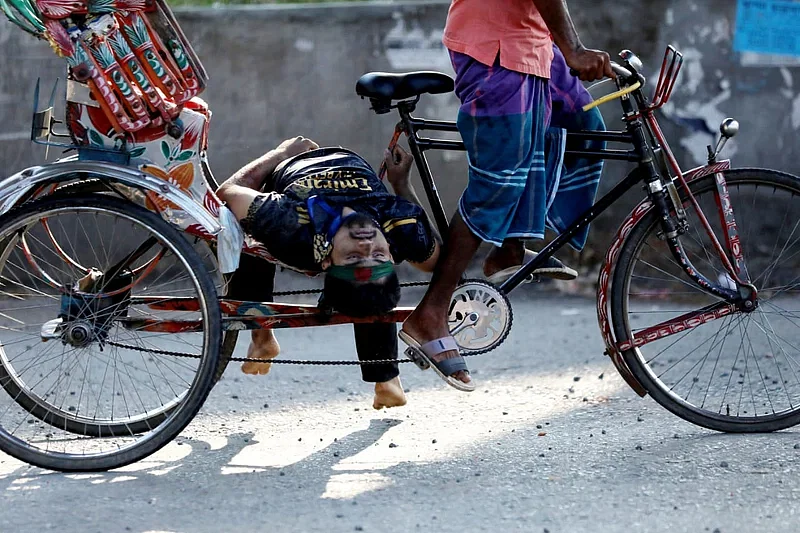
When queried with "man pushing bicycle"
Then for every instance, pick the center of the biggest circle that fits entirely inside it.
(504, 57)
(325, 210)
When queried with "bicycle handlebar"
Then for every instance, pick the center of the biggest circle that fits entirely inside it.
(622, 73)
(618, 69)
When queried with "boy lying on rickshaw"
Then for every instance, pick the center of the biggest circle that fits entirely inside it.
(326, 210)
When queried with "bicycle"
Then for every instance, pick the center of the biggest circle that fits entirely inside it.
(671, 215)
(110, 345)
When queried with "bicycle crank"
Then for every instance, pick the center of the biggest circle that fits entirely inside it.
(480, 316)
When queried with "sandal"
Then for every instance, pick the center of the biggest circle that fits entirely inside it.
(445, 368)
(552, 268)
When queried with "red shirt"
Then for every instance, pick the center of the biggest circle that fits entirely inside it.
(514, 28)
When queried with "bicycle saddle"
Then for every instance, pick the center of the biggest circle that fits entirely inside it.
(384, 85)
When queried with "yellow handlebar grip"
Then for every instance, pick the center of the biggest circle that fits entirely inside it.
(612, 96)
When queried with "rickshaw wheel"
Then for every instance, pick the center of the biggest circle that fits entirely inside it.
(97, 379)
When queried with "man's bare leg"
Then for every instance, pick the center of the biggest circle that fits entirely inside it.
(511, 254)
(389, 394)
(265, 346)
(429, 320)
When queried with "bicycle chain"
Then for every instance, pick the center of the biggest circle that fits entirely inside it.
(318, 291)
(298, 361)
(248, 360)
(280, 361)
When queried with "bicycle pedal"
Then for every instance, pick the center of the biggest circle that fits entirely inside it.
(421, 363)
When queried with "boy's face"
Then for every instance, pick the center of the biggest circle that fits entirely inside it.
(359, 242)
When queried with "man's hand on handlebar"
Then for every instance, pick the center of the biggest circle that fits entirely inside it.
(590, 65)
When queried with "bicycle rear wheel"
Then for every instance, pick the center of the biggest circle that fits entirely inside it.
(741, 372)
(89, 362)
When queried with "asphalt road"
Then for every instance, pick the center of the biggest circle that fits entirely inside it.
(551, 441)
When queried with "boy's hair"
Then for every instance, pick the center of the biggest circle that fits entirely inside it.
(360, 298)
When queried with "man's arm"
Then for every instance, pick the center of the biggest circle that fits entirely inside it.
(398, 170)
(591, 64)
(239, 191)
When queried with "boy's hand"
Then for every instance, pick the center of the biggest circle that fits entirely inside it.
(398, 167)
(296, 146)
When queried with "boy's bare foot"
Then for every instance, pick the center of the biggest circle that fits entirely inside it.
(264, 346)
(389, 394)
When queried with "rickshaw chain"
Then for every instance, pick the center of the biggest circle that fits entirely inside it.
(284, 361)
(318, 291)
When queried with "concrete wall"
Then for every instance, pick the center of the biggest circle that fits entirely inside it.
(279, 71)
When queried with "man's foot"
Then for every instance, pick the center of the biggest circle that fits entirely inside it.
(499, 267)
(389, 394)
(419, 327)
(264, 346)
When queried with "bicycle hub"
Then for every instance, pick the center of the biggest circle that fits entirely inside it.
(78, 334)
(88, 315)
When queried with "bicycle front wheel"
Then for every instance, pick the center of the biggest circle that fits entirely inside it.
(741, 372)
(101, 368)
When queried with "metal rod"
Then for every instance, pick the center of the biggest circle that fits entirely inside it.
(434, 125)
(280, 321)
(397, 315)
(726, 262)
(425, 144)
(617, 155)
(610, 136)
(439, 215)
(439, 144)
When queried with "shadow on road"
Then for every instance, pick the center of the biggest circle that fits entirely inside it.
(200, 460)
(514, 476)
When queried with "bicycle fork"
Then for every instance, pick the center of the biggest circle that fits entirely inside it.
(742, 298)
(731, 255)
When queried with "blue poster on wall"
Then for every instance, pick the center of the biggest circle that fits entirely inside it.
(768, 27)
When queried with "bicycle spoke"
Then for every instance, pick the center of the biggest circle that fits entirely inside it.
(716, 361)
(775, 359)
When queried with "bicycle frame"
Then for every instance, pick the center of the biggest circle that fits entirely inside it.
(418, 145)
(641, 125)
(647, 171)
